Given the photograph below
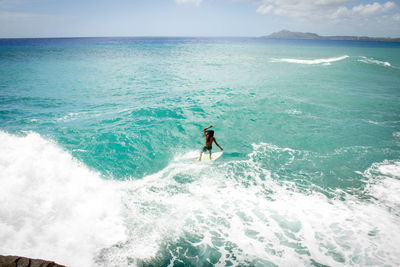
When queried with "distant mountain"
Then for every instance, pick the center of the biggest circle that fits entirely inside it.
(285, 34)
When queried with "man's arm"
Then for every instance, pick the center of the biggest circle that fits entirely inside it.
(215, 141)
(204, 130)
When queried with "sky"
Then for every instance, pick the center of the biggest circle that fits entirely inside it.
(242, 18)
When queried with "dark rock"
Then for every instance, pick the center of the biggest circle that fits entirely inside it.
(15, 261)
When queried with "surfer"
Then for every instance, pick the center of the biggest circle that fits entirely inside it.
(209, 140)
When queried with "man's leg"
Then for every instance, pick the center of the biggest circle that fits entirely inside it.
(201, 153)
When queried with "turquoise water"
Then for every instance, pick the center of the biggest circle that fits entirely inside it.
(98, 138)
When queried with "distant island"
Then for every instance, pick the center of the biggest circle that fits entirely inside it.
(285, 34)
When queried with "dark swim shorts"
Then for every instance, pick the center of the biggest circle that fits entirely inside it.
(204, 149)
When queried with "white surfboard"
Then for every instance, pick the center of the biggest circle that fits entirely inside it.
(214, 156)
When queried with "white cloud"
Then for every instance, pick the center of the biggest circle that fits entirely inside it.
(368, 10)
(373, 9)
(321, 9)
(341, 12)
(188, 2)
(299, 8)
(329, 2)
(335, 17)
(315, 9)
(265, 9)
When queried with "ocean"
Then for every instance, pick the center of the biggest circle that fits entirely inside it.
(99, 139)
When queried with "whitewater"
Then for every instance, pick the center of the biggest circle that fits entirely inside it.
(99, 136)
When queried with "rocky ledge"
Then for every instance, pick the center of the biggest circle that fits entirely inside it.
(15, 261)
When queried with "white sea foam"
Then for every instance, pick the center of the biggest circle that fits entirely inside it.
(52, 206)
(187, 155)
(55, 208)
(236, 209)
(70, 116)
(310, 61)
(293, 112)
(374, 122)
(384, 184)
(374, 61)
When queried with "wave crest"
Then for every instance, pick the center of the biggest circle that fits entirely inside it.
(374, 61)
(54, 207)
(310, 61)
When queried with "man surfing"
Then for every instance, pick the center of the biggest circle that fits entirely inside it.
(209, 140)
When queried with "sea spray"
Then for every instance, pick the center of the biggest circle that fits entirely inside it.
(53, 207)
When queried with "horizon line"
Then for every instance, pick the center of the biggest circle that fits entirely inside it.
(195, 36)
(131, 36)
(182, 36)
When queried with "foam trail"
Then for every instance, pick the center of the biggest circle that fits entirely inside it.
(234, 212)
(384, 184)
(310, 61)
(53, 207)
(374, 61)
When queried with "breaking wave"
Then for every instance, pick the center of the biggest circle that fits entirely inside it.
(52, 206)
(310, 61)
(374, 61)
(232, 212)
